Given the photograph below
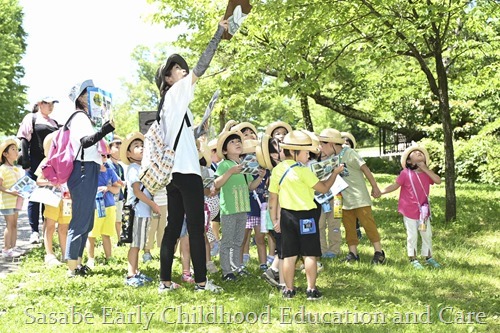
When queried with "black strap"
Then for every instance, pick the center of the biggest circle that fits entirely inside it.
(158, 118)
(136, 198)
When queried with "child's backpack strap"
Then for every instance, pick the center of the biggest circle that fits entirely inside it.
(287, 170)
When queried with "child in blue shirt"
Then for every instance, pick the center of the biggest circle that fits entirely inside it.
(108, 186)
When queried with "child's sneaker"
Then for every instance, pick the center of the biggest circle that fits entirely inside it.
(76, 272)
(328, 255)
(243, 272)
(229, 277)
(351, 257)
(289, 293)
(134, 281)
(34, 238)
(431, 261)
(187, 278)
(19, 250)
(163, 288)
(143, 277)
(10, 254)
(378, 258)
(313, 294)
(147, 257)
(211, 268)
(91, 263)
(263, 267)
(51, 260)
(272, 277)
(209, 286)
(215, 249)
(416, 264)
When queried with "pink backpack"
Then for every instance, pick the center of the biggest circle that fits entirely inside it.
(61, 156)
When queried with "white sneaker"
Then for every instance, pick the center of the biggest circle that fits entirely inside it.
(34, 238)
(51, 260)
(10, 253)
(91, 263)
(209, 286)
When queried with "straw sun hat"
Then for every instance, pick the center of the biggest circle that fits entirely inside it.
(301, 140)
(262, 152)
(331, 135)
(126, 143)
(277, 124)
(222, 138)
(411, 149)
(350, 137)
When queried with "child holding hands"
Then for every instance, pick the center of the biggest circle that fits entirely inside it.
(413, 204)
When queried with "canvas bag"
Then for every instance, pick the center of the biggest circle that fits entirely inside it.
(61, 156)
(158, 157)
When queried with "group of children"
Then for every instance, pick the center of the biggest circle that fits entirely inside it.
(295, 224)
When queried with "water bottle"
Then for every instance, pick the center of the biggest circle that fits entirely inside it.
(337, 206)
(99, 204)
(263, 218)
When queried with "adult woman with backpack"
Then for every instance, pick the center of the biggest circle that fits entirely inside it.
(32, 131)
(185, 192)
(82, 182)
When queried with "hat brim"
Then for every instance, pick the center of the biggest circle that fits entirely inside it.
(205, 152)
(7, 143)
(241, 126)
(262, 153)
(277, 124)
(312, 147)
(173, 59)
(350, 137)
(222, 137)
(250, 146)
(126, 143)
(332, 140)
(411, 149)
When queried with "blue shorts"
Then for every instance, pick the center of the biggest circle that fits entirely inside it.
(9, 211)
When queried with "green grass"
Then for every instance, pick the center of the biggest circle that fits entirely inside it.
(386, 296)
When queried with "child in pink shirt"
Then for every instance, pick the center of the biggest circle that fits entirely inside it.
(415, 181)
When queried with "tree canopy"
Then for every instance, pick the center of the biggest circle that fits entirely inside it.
(426, 69)
(12, 48)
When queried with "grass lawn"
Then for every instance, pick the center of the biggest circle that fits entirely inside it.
(463, 296)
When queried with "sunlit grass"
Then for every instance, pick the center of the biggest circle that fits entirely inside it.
(358, 298)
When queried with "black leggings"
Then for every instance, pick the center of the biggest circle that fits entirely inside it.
(185, 196)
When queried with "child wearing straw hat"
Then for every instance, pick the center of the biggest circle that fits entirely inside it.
(131, 155)
(415, 181)
(9, 175)
(234, 201)
(293, 185)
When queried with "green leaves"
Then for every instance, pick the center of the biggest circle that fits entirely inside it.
(12, 47)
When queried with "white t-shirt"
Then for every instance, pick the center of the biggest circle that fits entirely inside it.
(175, 106)
(141, 209)
(81, 126)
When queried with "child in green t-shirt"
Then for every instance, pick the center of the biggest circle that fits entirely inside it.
(234, 202)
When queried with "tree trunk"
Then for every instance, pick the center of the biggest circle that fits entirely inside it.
(449, 160)
(306, 113)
